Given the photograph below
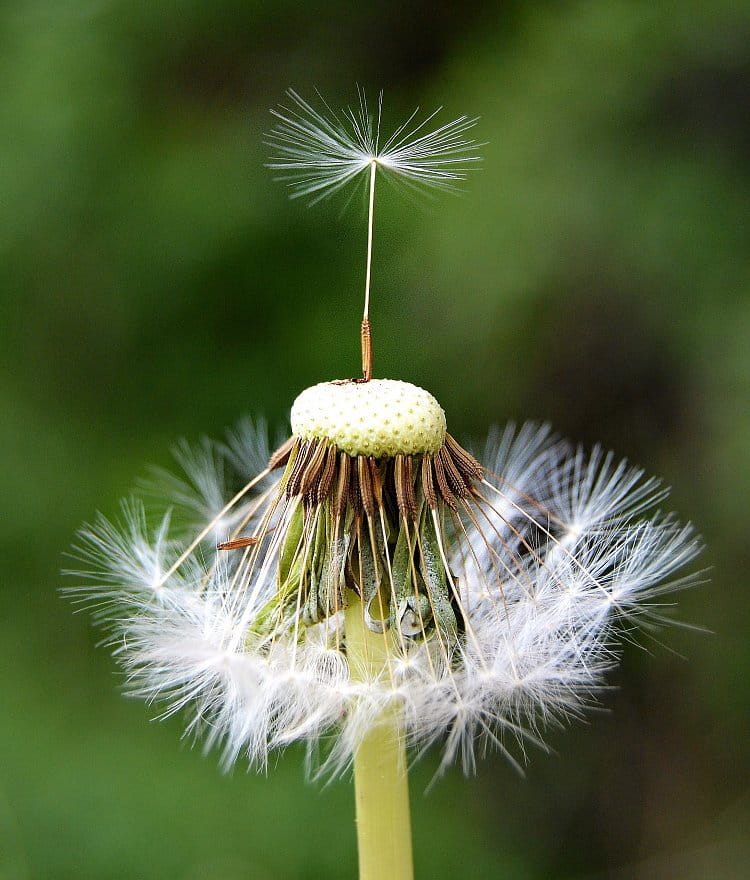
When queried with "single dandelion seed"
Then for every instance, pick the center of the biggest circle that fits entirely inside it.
(322, 151)
(377, 587)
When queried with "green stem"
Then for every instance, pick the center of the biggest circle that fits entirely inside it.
(381, 781)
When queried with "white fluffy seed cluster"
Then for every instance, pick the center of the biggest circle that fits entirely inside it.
(381, 418)
(569, 550)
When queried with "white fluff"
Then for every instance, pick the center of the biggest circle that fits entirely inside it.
(321, 151)
(566, 551)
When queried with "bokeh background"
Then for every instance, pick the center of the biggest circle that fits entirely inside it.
(155, 283)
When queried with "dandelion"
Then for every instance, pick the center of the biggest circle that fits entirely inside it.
(376, 587)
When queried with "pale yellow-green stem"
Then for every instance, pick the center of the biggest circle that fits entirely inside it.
(381, 781)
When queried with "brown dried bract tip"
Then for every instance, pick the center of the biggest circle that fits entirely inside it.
(465, 463)
(364, 478)
(281, 456)
(404, 479)
(301, 455)
(377, 482)
(326, 477)
(311, 476)
(341, 498)
(428, 482)
(355, 495)
(442, 483)
(366, 350)
(455, 480)
(238, 543)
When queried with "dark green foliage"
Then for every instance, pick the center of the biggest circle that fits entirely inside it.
(156, 283)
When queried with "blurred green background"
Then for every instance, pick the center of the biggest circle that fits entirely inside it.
(156, 283)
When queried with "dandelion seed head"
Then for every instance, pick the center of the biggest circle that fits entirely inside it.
(372, 566)
(499, 613)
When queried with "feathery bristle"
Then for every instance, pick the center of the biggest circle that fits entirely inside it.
(320, 151)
